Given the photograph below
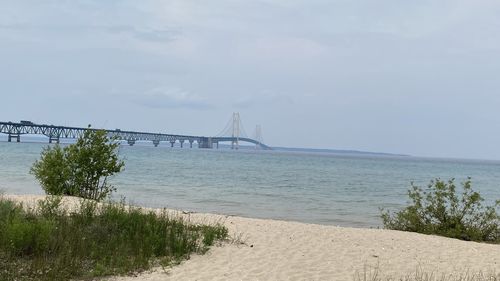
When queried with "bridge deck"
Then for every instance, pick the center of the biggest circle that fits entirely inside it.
(54, 133)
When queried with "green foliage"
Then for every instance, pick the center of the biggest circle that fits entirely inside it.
(81, 169)
(212, 234)
(53, 173)
(50, 207)
(440, 210)
(48, 243)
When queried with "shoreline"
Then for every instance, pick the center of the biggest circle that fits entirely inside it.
(264, 249)
(338, 223)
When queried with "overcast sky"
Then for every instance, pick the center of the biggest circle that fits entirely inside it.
(412, 77)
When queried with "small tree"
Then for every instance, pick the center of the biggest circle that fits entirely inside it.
(439, 210)
(81, 169)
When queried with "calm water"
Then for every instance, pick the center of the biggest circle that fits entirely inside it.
(317, 188)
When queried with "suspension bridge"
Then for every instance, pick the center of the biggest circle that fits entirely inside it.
(233, 133)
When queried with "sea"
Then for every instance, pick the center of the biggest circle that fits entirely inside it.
(323, 188)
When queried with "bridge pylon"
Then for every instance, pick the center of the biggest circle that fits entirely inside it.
(236, 130)
(258, 137)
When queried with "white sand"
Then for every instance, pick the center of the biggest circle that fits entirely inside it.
(280, 250)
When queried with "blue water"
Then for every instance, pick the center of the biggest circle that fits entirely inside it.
(336, 189)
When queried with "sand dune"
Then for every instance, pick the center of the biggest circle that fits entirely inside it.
(280, 250)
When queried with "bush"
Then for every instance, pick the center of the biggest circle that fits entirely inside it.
(81, 169)
(439, 210)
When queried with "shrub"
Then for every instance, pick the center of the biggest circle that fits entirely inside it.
(53, 173)
(81, 169)
(439, 210)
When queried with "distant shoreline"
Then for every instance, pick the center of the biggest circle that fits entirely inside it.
(40, 139)
(347, 152)
(338, 151)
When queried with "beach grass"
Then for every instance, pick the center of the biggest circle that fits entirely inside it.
(432, 277)
(373, 274)
(47, 242)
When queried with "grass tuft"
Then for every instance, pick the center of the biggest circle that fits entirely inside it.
(373, 274)
(49, 243)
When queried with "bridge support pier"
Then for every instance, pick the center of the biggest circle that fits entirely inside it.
(53, 139)
(205, 143)
(172, 143)
(191, 143)
(217, 143)
(131, 142)
(235, 144)
(14, 136)
(156, 142)
(182, 143)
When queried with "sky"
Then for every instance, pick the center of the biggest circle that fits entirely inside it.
(411, 77)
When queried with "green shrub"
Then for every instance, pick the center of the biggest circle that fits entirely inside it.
(50, 207)
(440, 210)
(53, 172)
(81, 169)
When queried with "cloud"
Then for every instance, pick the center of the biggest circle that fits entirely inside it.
(172, 98)
(281, 48)
(140, 33)
(145, 33)
(14, 26)
(266, 98)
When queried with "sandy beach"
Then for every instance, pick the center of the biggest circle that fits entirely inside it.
(281, 250)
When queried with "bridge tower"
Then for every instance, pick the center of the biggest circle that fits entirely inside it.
(258, 136)
(236, 130)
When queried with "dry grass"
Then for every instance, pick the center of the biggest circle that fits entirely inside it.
(374, 274)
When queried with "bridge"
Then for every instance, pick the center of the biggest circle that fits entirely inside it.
(233, 134)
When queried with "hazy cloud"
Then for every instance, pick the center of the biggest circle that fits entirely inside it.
(172, 98)
(264, 99)
(147, 34)
(140, 33)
